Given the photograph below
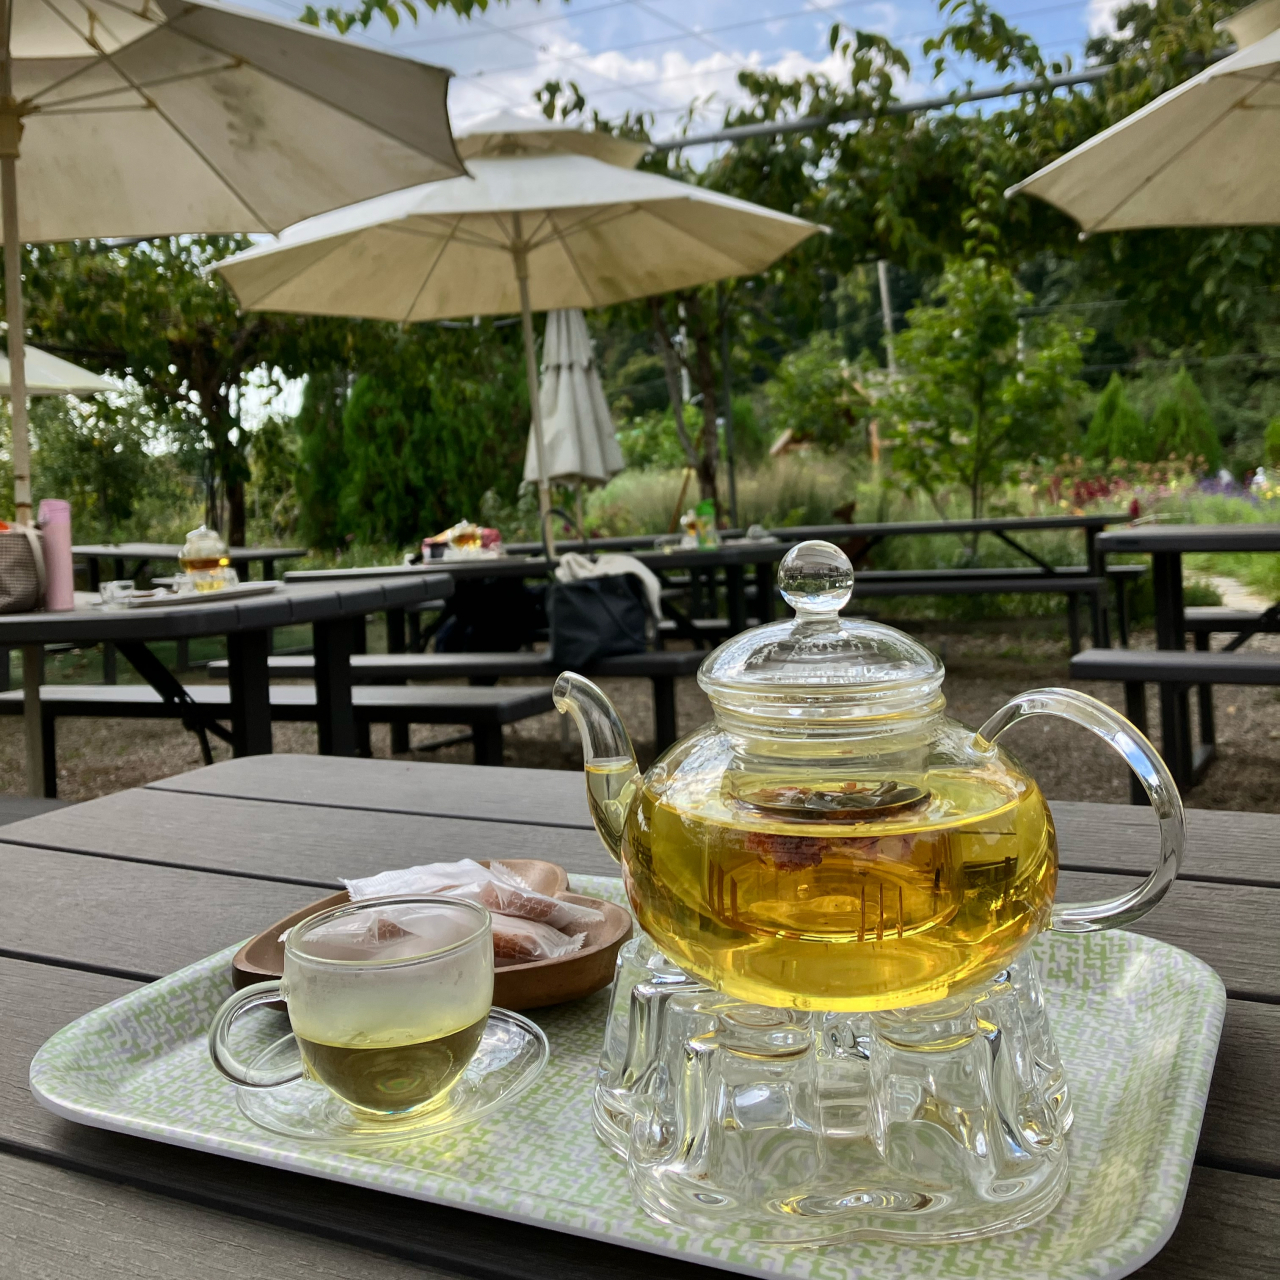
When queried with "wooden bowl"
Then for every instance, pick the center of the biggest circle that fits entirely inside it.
(516, 986)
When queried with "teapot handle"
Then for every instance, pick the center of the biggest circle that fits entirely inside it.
(1109, 725)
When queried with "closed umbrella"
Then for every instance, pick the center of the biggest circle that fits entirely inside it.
(1202, 155)
(50, 375)
(549, 219)
(157, 117)
(580, 444)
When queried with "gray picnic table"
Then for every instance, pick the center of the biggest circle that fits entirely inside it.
(334, 610)
(1166, 544)
(104, 896)
(119, 554)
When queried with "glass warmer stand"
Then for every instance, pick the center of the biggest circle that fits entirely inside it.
(941, 1122)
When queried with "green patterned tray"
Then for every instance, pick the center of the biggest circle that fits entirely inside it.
(1137, 1023)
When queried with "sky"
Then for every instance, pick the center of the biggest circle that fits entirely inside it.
(662, 55)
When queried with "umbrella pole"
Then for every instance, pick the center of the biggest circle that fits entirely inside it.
(535, 400)
(10, 136)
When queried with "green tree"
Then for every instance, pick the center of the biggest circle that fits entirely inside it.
(971, 399)
(1117, 429)
(1183, 426)
(94, 454)
(1271, 443)
(149, 312)
(813, 395)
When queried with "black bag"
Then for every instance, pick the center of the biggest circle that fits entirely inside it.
(596, 618)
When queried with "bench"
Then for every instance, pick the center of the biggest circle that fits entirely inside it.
(1175, 670)
(661, 668)
(483, 710)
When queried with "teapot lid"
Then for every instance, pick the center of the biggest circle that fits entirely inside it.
(819, 668)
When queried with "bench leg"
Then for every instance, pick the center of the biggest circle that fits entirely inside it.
(1122, 612)
(1073, 620)
(4, 670)
(49, 741)
(1135, 708)
(1175, 733)
(250, 682)
(335, 716)
(664, 713)
(1204, 695)
(488, 743)
(1099, 619)
(109, 670)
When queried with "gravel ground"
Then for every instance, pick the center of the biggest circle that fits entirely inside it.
(985, 669)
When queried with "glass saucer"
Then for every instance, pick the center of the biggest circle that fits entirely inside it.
(512, 1054)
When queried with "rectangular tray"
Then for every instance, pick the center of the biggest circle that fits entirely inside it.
(237, 592)
(1137, 1023)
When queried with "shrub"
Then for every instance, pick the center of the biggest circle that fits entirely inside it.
(1118, 429)
(1183, 426)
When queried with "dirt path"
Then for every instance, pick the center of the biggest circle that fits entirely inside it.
(96, 757)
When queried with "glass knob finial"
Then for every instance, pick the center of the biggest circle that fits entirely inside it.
(816, 577)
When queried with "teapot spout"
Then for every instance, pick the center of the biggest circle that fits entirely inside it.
(607, 755)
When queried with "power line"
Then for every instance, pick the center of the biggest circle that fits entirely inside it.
(809, 124)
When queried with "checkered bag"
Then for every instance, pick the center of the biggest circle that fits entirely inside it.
(22, 576)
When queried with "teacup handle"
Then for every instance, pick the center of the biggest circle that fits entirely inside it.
(1109, 725)
(220, 1031)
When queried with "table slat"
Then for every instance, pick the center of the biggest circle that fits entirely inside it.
(548, 797)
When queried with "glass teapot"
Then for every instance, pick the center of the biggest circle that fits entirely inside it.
(831, 840)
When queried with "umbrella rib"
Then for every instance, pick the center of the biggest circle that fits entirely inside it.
(199, 154)
(573, 262)
(595, 218)
(1191, 142)
(452, 232)
(262, 71)
(431, 270)
(88, 38)
(143, 86)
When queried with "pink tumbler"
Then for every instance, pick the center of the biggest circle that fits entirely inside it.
(55, 525)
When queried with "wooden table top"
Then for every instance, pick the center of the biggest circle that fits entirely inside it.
(104, 895)
(212, 615)
(1192, 537)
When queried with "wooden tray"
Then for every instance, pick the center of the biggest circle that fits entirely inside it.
(517, 986)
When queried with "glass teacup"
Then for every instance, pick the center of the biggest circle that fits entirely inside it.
(387, 998)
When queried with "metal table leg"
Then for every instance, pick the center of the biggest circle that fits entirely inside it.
(764, 591)
(250, 680)
(335, 641)
(736, 589)
(396, 644)
(38, 784)
(1175, 706)
(664, 713)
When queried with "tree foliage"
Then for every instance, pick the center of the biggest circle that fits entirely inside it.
(1117, 429)
(1183, 426)
(972, 399)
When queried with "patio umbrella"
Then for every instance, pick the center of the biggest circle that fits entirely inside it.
(1201, 155)
(549, 219)
(49, 375)
(156, 117)
(580, 444)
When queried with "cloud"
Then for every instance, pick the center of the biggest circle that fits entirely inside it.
(1101, 16)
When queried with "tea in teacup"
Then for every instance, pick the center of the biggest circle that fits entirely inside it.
(388, 1000)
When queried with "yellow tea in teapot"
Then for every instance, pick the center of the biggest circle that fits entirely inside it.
(881, 894)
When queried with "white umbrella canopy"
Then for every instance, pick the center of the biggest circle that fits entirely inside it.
(578, 435)
(534, 228)
(50, 375)
(1202, 155)
(159, 117)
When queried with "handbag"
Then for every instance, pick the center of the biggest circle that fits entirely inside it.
(594, 618)
(22, 570)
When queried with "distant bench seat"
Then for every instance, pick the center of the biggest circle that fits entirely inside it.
(661, 668)
(483, 710)
(1175, 669)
